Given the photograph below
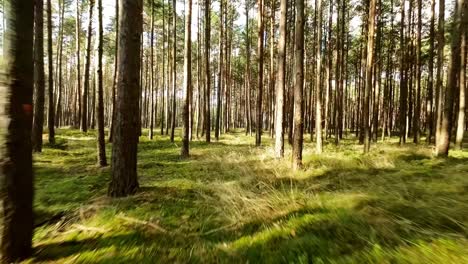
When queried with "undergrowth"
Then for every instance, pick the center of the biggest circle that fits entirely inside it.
(234, 203)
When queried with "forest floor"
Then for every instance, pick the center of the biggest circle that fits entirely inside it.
(231, 202)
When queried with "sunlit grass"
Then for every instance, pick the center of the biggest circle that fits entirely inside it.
(232, 202)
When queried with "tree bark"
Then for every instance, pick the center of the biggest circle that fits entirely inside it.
(100, 104)
(207, 69)
(84, 115)
(187, 80)
(174, 68)
(17, 181)
(258, 132)
(318, 80)
(443, 141)
(125, 143)
(298, 86)
(280, 86)
(39, 78)
(369, 63)
(51, 108)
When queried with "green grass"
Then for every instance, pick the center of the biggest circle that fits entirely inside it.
(234, 203)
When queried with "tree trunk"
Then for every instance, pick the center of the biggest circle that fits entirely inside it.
(369, 63)
(187, 79)
(440, 67)
(220, 71)
(116, 69)
(298, 86)
(318, 80)
(39, 78)
(443, 141)
(280, 86)
(51, 115)
(17, 172)
(151, 92)
(124, 151)
(84, 115)
(258, 132)
(174, 68)
(207, 69)
(462, 80)
(100, 104)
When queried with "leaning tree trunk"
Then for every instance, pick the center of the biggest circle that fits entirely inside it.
(39, 78)
(187, 80)
(17, 181)
(125, 142)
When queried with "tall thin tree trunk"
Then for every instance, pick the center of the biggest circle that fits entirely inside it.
(151, 92)
(298, 86)
(125, 142)
(440, 67)
(318, 80)
(174, 68)
(116, 69)
(17, 172)
(220, 71)
(39, 78)
(369, 63)
(100, 104)
(51, 108)
(187, 80)
(258, 132)
(443, 141)
(84, 115)
(462, 79)
(430, 81)
(280, 86)
(207, 69)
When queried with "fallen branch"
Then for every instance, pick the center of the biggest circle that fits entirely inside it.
(141, 222)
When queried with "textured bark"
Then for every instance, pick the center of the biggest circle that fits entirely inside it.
(417, 110)
(318, 81)
(403, 87)
(187, 80)
(259, 123)
(298, 86)
(124, 152)
(220, 71)
(39, 78)
(51, 108)
(84, 100)
(151, 92)
(207, 69)
(443, 141)
(174, 68)
(440, 67)
(462, 80)
(100, 100)
(280, 85)
(430, 80)
(369, 63)
(17, 173)
(116, 70)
